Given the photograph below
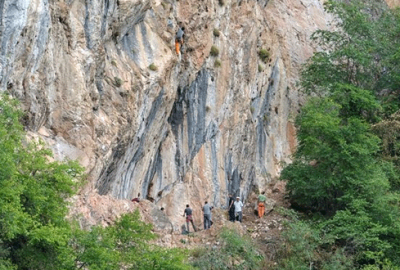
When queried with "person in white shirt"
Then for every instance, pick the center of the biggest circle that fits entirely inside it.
(238, 209)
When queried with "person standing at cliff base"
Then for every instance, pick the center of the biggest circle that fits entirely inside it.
(207, 215)
(261, 204)
(189, 218)
(231, 208)
(238, 209)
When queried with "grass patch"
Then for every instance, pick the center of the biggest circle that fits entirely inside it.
(153, 67)
(118, 81)
(233, 252)
(264, 55)
(217, 63)
(214, 51)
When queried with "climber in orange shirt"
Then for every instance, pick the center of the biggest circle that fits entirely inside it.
(179, 40)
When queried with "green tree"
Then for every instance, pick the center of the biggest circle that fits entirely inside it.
(363, 51)
(345, 172)
(32, 194)
(334, 162)
(34, 233)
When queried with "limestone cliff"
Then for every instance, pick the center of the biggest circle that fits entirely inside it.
(187, 132)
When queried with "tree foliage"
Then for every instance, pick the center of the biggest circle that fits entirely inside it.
(34, 233)
(345, 172)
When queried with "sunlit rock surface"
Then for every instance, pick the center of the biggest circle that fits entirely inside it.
(189, 131)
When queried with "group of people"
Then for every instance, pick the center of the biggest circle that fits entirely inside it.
(206, 214)
(235, 208)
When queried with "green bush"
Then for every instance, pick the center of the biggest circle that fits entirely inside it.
(153, 67)
(302, 247)
(33, 204)
(214, 51)
(221, 2)
(233, 252)
(114, 63)
(125, 243)
(217, 63)
(260, 68)
(264, 55)
(216, 32)
(118, 81)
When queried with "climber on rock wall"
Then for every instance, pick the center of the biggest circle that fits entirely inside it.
(179, 40)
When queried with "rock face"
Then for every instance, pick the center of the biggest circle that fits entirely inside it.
(187, 132)
(393, 3)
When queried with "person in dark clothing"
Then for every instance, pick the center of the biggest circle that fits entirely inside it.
(136, 199)
(231, 208)
(189, 218)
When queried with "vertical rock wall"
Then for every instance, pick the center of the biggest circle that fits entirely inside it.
(189, 131)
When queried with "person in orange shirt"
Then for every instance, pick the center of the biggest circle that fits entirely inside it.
(179, 40)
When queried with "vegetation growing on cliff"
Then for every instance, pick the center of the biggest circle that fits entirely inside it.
(343, 180)
(34, 233)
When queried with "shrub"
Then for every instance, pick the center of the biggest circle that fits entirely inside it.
(217, 63)
(153, 67)
(252, 109)
(260, 68)
(216, 32)
(118, 81)
(264, 55)
(301, 243)
(221, 2)
(126, 242)
(233, 252)
(214, 51)
(114, 63)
